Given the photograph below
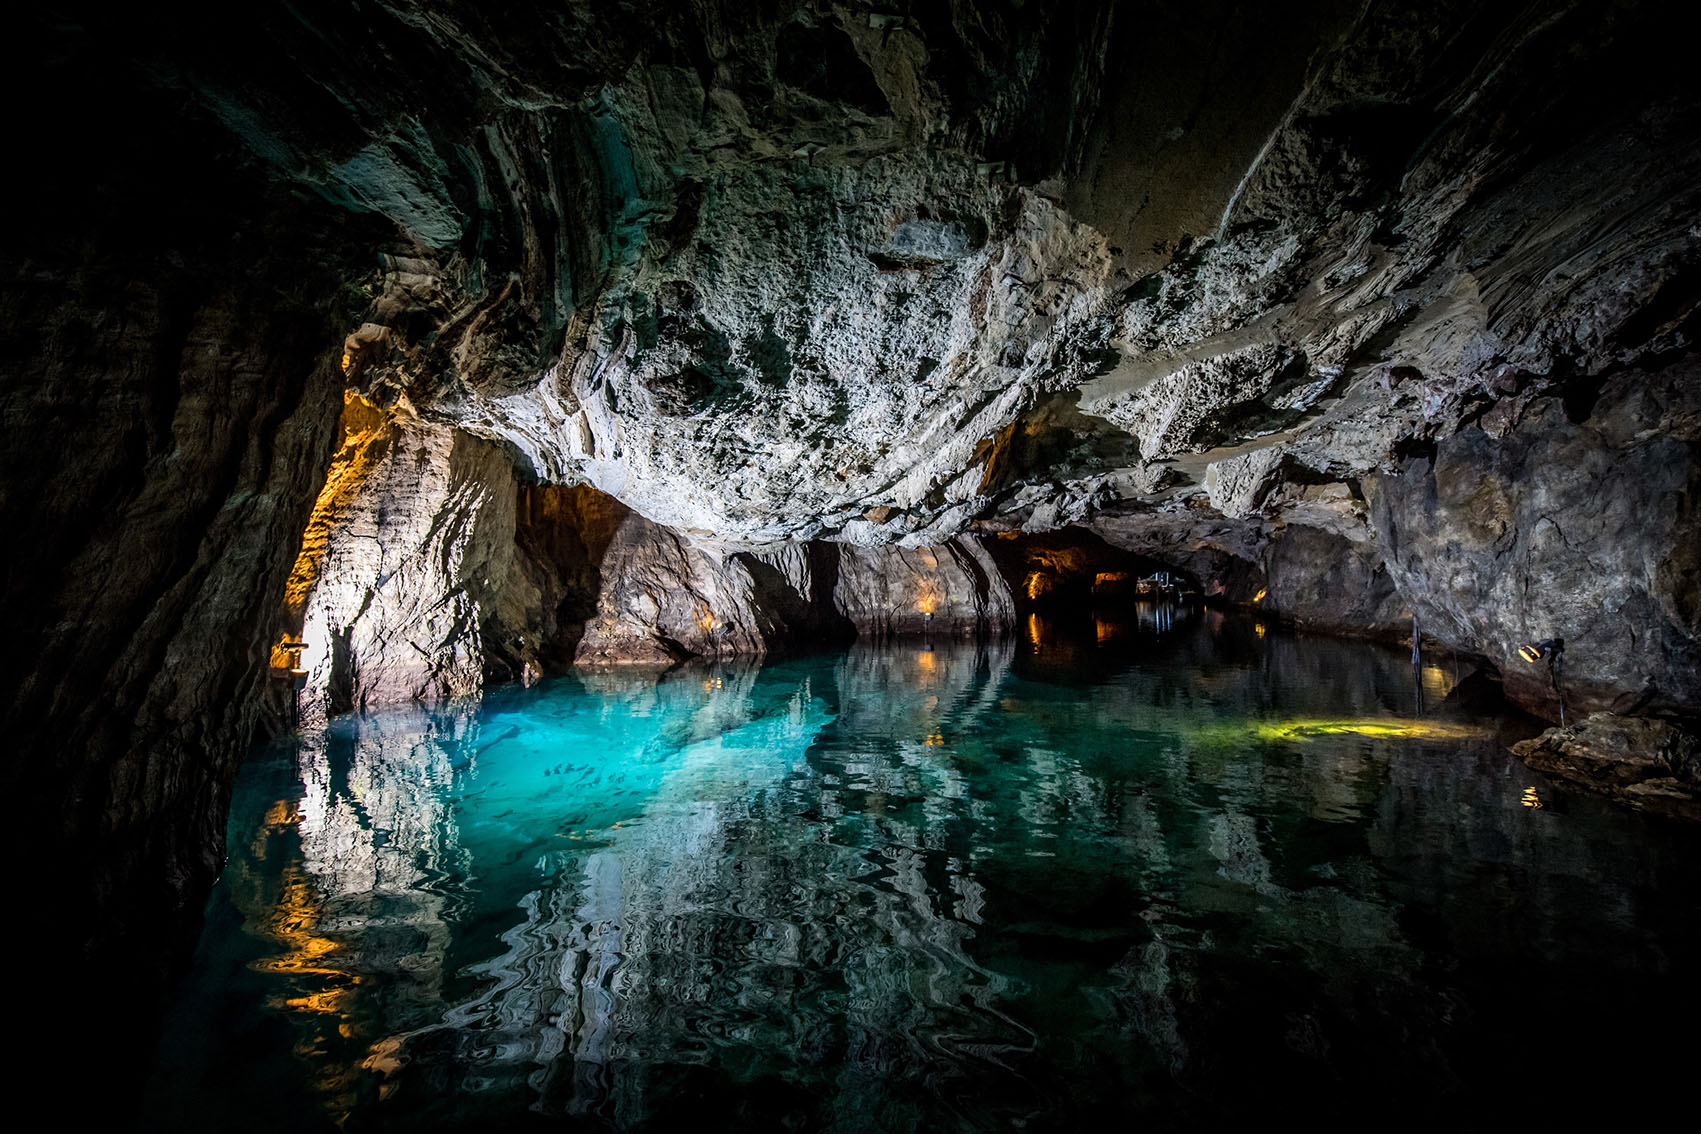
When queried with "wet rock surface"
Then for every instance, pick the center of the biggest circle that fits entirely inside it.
(1651, 764)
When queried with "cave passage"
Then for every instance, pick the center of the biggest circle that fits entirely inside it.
(1172, 876)
(1072, 572)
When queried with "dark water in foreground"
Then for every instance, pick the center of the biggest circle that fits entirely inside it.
(1172, 872)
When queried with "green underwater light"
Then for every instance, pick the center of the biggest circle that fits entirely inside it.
(1415, 730)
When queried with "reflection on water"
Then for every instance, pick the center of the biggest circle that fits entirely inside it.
(1164, 868)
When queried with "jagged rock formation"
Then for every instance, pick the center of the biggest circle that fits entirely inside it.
(427, 571)
(1370, 310)
(1570, 526)
(410, 545)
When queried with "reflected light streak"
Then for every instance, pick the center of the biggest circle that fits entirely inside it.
(1421, 730)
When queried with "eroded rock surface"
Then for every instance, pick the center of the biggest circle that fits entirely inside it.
(814, 274)
(427, 571)
(1580, 530)
(418, 523)
(1648, 763)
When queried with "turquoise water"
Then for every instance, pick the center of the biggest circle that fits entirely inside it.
(1171, 871)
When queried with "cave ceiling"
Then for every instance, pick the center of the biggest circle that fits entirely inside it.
(888, 273)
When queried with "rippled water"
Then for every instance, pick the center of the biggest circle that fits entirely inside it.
(1174, 870)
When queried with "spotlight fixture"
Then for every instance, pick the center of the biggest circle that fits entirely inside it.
(1552, 651)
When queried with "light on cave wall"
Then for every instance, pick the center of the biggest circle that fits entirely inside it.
(287, 655)
(927, 599)
(1110, 582)
(704, 617)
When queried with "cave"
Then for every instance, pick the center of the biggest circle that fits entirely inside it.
(835, 565)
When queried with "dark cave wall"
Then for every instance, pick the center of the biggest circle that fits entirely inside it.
(1574, 521)
(1321, 579)
(169, 392)
(138, 614)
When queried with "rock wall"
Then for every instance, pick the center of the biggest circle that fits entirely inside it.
(1541, 526)
(426, 571)
(803, 273)
(410, 546)
(954, 589)
(169, 394)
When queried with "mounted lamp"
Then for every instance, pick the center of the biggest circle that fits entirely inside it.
(1552, 651)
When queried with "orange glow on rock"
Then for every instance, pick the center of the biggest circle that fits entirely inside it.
(365, 432)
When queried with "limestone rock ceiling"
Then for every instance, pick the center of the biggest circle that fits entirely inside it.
(759, 271)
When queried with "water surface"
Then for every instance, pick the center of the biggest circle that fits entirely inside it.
(1168, 870)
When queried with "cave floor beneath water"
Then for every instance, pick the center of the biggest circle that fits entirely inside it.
(1168, 868)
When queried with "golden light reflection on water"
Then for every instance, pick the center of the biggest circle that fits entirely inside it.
(598, 947)
(280, 816)
(320, 982)
(292, 922)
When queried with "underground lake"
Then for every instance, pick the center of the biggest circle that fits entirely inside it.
(1174, 870)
